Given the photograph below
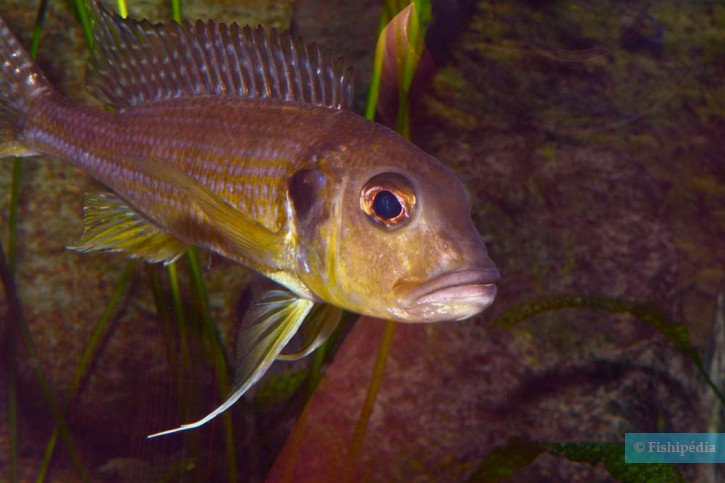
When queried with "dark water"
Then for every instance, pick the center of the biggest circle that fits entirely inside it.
(589, 135)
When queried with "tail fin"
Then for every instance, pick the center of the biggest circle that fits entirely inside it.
(20, 82)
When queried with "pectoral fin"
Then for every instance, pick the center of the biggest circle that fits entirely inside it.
(252, 238)
(14, 148)
(316, 328)
(269, 324)
(112, 225)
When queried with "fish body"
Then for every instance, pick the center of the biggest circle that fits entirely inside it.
(241, 151)
(241, 142)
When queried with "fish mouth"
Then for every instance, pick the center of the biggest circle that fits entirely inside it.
(452, 296)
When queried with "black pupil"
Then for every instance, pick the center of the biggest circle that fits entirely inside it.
(386, 205)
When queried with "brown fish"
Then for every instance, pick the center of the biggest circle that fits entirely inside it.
(241, 142)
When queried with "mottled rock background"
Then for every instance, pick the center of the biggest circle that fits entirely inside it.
(590, 137)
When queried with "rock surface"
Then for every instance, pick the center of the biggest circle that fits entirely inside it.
(590, 176)
(591, 143)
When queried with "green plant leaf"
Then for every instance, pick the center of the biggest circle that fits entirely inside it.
(677, 333)
(611, 455)
(505, 461)
(88, 356)
(274, 389)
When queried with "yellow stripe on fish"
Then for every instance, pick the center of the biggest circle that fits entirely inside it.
(240, 141)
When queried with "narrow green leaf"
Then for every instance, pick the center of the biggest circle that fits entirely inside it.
(18, 327)
(274, 389)
(13, 212)
(677, 333)
(505, 461)
(37, 28)
(179, 312)
(87, 357)
(10, 362)
(122, 9)
(176, 10)
(215, 348)
(611, 455)
(376, 75)
(417, 28)
(371, 396)
(16, 312)
(81, 8)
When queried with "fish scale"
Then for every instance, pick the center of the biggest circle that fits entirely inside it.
(231, 146)
(240, 141)
(254, 160)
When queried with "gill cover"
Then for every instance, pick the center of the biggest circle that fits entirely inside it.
(312, 197)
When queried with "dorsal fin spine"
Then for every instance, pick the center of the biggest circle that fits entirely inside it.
(207, 58)
(244, 56)
(261, 55)
(255, 59)
(169, 82)
(287, 71)
(138, 69)
(273, 80)
(222, 61)
(209, 61)
(313, 90)
(196, 58)
(137, 62)
(236, 74)
(292, 48)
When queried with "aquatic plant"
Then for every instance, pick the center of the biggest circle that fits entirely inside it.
(189, 323)
(504, 462)
(17, 331)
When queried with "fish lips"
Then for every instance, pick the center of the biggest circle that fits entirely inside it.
(452, 296)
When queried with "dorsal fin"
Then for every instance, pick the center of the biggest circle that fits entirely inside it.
(136, 62)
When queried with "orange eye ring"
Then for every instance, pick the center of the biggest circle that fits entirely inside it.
(388, 200)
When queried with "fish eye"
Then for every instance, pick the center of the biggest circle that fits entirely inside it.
(386, 205)
(388, 200)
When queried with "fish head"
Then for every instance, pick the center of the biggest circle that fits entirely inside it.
(391, 234)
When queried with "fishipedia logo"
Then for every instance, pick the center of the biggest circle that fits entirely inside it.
(674, 448)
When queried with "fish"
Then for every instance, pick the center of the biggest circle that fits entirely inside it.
(243, 142)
